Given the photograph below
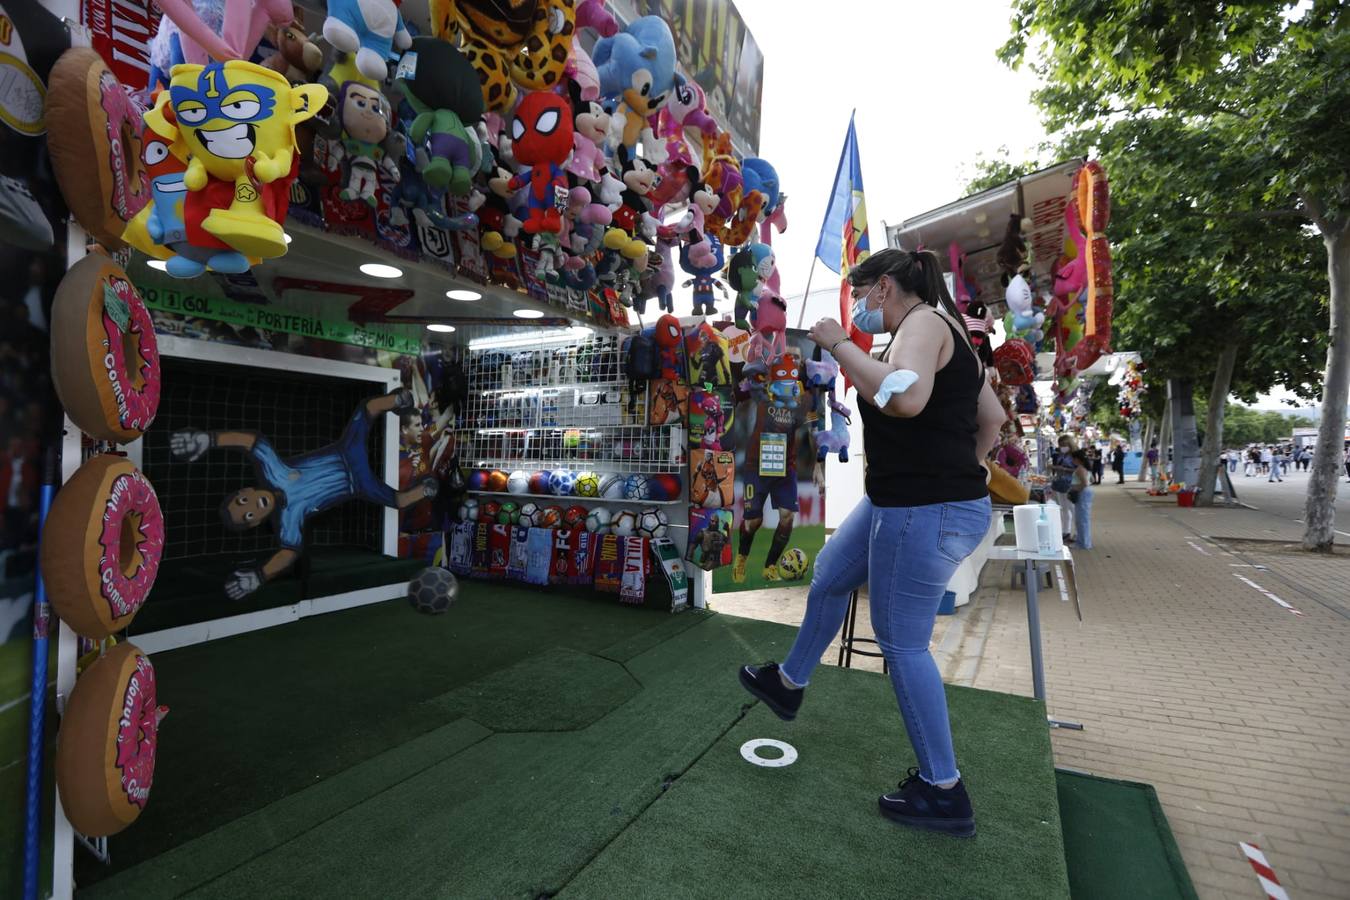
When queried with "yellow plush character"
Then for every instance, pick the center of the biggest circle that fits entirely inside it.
(237, 121)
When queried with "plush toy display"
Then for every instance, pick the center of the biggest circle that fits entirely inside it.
(542, 61)
(770, 338)
(441, 92)
(785, 382)
(105, 751)
(722, 172)
(95, 143)
(297, 58)
(105, 360)
(1093, 201)
(759, 197)
(705, 278)
(237, 121)
(371, 29)
(633, 224)
(1016, 362)
(637, 69)
(659, 279)
(197, 31)
(541, 138)
(836, 439)
(686, 109)
(746, 273)
(364, 116)
(490, 34)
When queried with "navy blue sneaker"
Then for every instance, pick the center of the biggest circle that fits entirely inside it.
(919, 804)
(764, 682)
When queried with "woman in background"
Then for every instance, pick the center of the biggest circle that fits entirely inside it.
(1080, 495)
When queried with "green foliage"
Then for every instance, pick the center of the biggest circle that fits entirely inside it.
(1244, 425)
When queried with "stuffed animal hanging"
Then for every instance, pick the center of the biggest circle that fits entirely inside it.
(370, 29)
(705, 278)
(746, 272)
(442, 93)
(632, 223)
(637, 69)
(298, 59)
(769, 340)
(364, 117)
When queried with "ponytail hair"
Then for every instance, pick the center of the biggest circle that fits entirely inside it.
(917, 272)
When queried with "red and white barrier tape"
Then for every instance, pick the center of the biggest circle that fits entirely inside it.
(1264, 873)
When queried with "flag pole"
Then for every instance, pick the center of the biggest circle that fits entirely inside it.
(807, 296)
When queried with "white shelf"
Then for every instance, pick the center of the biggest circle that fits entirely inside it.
(572, 497)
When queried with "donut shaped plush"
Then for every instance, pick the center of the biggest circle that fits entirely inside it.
(105, 751)
(105, 538)
(105, 361)
(94, 132)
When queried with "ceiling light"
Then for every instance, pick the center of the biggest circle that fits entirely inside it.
(159, 264)
(461, 294)
(380, 270)
(443, 329)
(528, 314)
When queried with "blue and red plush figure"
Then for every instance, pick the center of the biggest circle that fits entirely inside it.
(541, 138)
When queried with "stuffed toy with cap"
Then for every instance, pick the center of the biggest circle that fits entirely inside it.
(370, 29)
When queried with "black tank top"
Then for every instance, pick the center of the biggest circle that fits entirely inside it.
(928, 458)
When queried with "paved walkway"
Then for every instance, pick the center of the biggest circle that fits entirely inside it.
(1189, 674)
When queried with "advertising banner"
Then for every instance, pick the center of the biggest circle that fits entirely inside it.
(716, 49)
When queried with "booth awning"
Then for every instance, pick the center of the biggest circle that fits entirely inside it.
(977, 224)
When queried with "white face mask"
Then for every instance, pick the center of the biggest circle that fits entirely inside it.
(869, 321)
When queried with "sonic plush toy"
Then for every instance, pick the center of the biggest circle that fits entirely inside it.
(637, 67)
(236, 121)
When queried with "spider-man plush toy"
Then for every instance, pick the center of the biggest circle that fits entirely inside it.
(541, 138)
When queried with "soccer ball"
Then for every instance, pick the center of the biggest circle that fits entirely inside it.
(637, 487)
(611, 486)
(432, 590)
(792, 564)
(598, 520)
(666, 487)
(561, 482)
(571, 438)
(477, 480)
(538, 482)
(508, 513)
(468, 510)
(588, 485)
(652, 523)
(487, 512)
(496, 481)
(518, 482)
(574, 516)
(549, 517)
(528, 512)
(625, 523)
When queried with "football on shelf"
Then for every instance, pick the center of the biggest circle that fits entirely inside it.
(625, 524)
(666, 487)
(637, 487)
(432, 590)
(468, 510)
(527, 513)
(598, 520)
(518, 482)
(588, 485)
(477, 480)
(487, 512)
(538, 483)
(496, 480)
(549, 517)
(611, 486)
(792, 564)
(508, 513)
(574, 516)
(561, 482)
(652, 523)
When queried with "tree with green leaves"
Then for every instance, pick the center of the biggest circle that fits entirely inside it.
(1272, 78)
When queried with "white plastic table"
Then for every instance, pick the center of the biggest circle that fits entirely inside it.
(1064, 561)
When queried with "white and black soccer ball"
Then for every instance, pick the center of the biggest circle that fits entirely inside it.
(625, 524)
(611, 486)
(598, 520)
(652, 523)
(637, 487)
(527, 513)
(562, 482)
(518, 482)
(432, 590)
(468, 510)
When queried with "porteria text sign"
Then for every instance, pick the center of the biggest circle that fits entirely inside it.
(271, 318)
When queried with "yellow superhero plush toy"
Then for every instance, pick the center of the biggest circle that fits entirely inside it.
(237, 122)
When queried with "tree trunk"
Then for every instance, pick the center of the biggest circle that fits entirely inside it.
(1327, 468)
(1164, 435)
(1185, 444)
(1143, 461)
(1218, 399)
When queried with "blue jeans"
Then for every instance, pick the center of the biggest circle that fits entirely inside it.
(1082, 519)
(905, 555)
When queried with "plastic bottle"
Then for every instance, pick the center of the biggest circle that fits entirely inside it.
(1045, 533)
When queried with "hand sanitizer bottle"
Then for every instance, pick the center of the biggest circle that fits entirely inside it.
(1045, 533)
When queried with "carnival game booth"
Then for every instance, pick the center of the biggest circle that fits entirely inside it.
(388, 460)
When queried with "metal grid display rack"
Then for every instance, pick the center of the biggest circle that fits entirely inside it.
(561, 400)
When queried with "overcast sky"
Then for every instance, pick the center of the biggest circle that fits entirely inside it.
(930, 97)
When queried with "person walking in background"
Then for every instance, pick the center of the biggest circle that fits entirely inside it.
(1095, 460)
(1232, 461)
(1152, 457)
(1249, 464)
(1080, 495)
(1118, 462)
(1267, 457)
(1274, 462)
(1061, 481)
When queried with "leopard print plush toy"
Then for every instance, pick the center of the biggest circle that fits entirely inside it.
(509, 42)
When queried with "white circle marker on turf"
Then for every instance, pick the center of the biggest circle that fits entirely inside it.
(749, 747)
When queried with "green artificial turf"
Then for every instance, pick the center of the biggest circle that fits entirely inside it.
(809, 538)
(256, 717)
(1117, 840)
(812, 829)
(649, 798)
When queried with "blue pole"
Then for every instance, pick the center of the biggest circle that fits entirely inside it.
(38, 697)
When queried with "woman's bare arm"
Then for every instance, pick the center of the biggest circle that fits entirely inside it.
(918, 347)
(989, 419)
